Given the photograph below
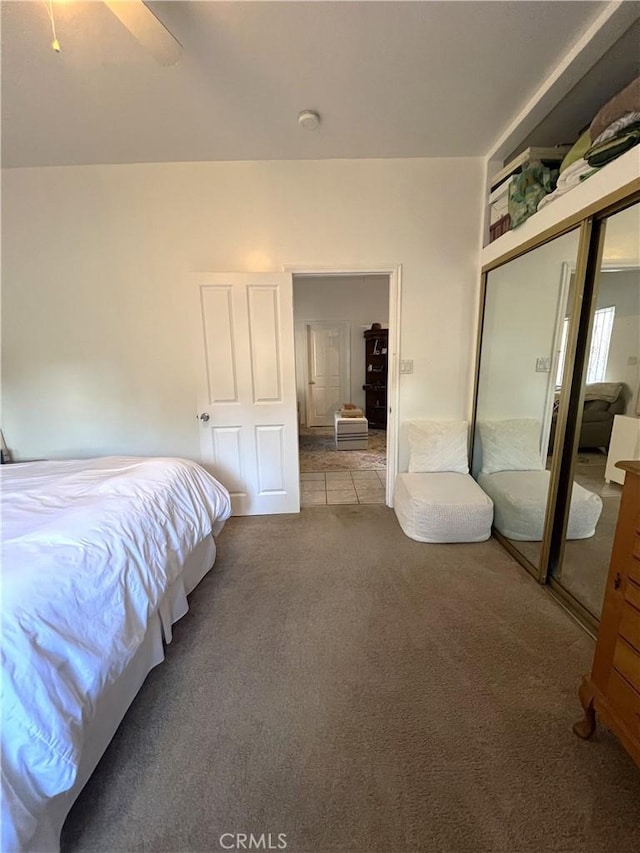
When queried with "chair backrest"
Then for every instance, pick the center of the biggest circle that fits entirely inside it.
(512, 444)
(438, 446)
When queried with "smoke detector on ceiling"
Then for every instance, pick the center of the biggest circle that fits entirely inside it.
(309, 119)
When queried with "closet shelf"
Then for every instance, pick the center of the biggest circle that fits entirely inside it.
(621, 173)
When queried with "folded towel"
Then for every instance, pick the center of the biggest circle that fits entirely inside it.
(351, 413)
(570, 178)
(605, 152)
(348, 405)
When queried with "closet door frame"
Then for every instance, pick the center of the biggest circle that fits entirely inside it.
(567, 453)
(592, 225)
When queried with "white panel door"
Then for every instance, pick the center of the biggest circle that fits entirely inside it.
(327, 349)
(247, 395)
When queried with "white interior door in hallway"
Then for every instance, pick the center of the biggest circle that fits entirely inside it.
(246, 389)
(328, 371)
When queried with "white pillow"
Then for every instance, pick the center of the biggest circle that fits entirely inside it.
(438, 446)
(510, 445)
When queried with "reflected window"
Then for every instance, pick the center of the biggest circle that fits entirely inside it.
(601, 341)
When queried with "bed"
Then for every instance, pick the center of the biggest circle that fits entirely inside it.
(98, 557)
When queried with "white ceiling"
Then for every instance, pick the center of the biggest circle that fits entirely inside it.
(390, 79)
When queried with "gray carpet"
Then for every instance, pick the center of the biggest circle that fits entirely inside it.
(584, 570)
(586, 562)
(362, 693)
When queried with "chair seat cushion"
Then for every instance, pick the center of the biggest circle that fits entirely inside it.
(442, 507)
(520, 503)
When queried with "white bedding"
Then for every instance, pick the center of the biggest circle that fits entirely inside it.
(89, 548)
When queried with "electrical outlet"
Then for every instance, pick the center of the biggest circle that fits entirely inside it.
(632, 360)
(406, 365)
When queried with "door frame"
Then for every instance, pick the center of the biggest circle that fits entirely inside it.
(303, 358)
(563, 293)
(394, 273)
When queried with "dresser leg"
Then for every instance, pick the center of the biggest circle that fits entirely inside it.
(585, 727)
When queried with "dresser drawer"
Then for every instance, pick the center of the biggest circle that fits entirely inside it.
(626, 661)
(625, 702)
(632, 594)
(629, 626)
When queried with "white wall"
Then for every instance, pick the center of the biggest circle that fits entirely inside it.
(622, 289)
(98, 335)
(622, 235)
(357, 300)
(622, 243)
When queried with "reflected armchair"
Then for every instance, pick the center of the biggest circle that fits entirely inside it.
(602, 401)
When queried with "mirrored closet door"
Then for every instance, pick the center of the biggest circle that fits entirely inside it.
(518, 389)
(607, 423)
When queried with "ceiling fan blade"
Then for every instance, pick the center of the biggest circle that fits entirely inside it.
(143, 25)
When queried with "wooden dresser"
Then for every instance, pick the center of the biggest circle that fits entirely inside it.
(613, 688)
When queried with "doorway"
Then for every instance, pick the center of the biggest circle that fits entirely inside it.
(334, 315)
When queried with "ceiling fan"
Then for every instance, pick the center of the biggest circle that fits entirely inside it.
(143, 25)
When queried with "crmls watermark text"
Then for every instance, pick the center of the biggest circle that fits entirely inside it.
(249, 841)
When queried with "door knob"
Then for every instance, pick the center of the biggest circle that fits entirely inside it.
(204, 417)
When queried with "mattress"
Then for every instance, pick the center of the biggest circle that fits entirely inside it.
(93, 558)
(442, 507)
(520, 501)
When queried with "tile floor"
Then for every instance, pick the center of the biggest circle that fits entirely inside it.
(343, 487)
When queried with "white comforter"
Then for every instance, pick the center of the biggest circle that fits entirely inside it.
(88, 550)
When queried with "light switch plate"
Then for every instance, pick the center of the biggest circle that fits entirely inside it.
(406, 365)
(543, 365)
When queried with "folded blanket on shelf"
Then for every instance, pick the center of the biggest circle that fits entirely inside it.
(351, 413)
(527, 188)
(570, 178)
(627, 121)
(626, 101)
(574, 175)
(605, 152)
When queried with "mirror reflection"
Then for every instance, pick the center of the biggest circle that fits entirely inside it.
(524, 321)
(609, 429)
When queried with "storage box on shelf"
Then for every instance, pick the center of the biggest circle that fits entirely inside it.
(497, 229)
(499, 202)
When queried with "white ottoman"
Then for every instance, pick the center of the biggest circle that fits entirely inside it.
(520, 499)
(351, 433)
(442, 507)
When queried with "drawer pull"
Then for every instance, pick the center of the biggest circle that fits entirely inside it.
(617, 581)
